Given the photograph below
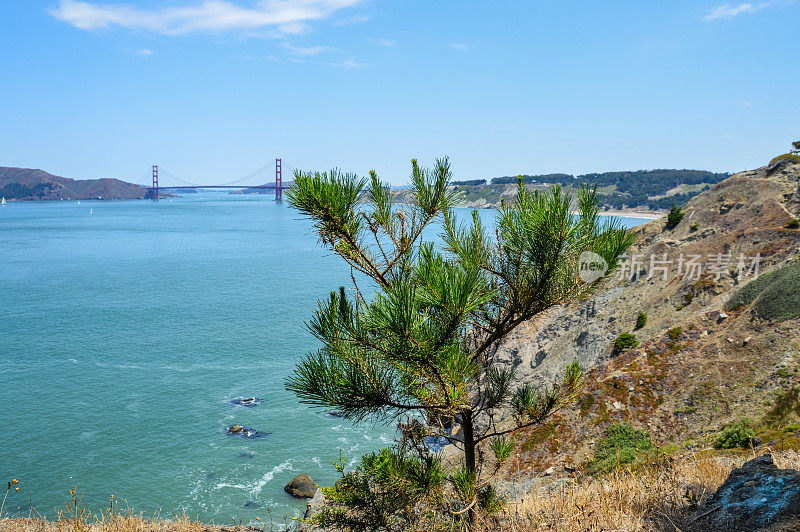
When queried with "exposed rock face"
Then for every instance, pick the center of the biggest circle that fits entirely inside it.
(741, 216)
(301, 487)
(756, 496)
(693, 352)
(312, 508)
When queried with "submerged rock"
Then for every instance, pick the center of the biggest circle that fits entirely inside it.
(301, 487)
(756, 496)
(246, 401)
(246, 432)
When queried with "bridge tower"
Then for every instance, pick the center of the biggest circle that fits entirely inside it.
(278, 181)
(154, 190)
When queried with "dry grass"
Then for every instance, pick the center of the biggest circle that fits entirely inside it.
(653, 498)
(75, 517)
(121, 523)
(657, 497)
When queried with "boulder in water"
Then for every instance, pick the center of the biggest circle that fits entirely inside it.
(246, 401)
(246, 432)
(301, 487)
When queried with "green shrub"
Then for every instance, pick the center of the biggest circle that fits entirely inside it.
(502, 448)
(785, 407)
(625, 341)
(488, 499)
(774, 295)
(787, 156)
(464, 483)
(621, 445)
(794, 223)
(674, 217)
(693, 227)
(675, 333)
(794, 427)
(641, 320)
(735, 435)
(387, 487)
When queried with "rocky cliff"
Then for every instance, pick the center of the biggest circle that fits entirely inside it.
(701, 361)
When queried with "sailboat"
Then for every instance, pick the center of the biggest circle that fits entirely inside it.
(90, 211)
(4, 202)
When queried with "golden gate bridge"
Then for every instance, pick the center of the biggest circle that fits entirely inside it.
(253, 181)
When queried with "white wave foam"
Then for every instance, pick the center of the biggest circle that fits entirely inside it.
(226, 485)
(269, 476)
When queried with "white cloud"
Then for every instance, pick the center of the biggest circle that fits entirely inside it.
(728, 11)
(388, 43)
(347, 63)
(357, 19)
(144, 51)
(458, 45)
(287, 16)
(308, 50)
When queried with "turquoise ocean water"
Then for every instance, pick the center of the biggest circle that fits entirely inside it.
(125, 334)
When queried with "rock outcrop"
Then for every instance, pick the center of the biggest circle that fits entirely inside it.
(756, 496)
(699, 365)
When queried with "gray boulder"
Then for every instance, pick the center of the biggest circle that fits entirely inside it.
(756, 496)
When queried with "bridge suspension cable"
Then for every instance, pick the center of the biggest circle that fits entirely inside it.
(258, 179)
(255, 178)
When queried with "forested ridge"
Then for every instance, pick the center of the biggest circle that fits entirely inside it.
(631, 188)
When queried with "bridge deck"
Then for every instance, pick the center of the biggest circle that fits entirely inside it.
(217, 186)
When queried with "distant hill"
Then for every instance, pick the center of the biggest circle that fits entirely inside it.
(655, 190)
(33, 184)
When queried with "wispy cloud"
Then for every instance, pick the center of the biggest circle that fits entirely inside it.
(729, 11)
(388, 43)
(144, 51)
(458, 45)
(308, 50)
(356, 19)
(347, 63)
(285, 16)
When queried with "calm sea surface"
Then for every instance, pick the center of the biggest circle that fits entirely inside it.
(126, 333)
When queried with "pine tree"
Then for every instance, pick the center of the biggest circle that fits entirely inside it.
(416, 336)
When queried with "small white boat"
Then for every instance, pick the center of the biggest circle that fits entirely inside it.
(79, 202)
(90, 211)
(4, 202)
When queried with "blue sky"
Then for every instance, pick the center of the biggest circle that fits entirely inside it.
(212, 90)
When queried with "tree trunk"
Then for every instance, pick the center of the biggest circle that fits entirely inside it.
(469, 459)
